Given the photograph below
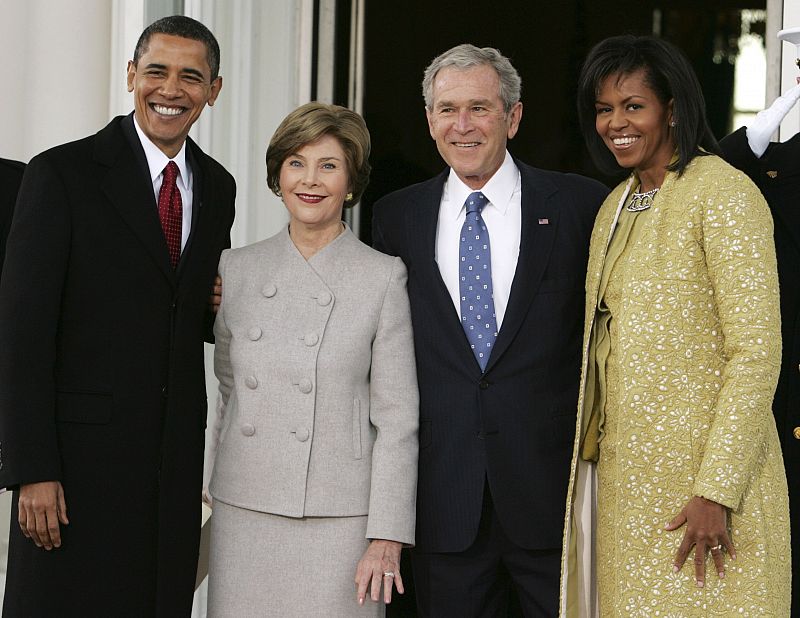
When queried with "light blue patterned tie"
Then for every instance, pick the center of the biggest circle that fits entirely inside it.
(475, 281)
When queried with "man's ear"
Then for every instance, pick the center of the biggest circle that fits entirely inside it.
(514, 118)
(131, 75)
(216, 86)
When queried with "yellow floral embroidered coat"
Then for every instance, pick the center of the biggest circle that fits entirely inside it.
(698, 359)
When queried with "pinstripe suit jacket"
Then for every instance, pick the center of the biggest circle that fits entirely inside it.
(512, 424)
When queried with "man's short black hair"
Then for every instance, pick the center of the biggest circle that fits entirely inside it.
(186, 27)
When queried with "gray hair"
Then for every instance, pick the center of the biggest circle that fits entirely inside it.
(466, 56)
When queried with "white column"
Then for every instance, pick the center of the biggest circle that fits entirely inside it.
(355, 95)
(127, 23)
(54, 72)
(773, 49)
(263, 48)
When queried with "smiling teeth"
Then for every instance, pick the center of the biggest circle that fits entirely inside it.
(624, 141)
(167, 111)
(465, 144)
(306, 197)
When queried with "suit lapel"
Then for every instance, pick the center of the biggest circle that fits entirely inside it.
(539, 224)
(425, 216)
(129, 190)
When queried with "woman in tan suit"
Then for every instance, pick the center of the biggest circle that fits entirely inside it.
(681, 357)
(314, 481)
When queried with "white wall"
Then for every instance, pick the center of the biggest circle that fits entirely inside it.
(53, 74)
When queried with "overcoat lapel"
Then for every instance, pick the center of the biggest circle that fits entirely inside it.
(539, 225)
(201, 190)
(426, 220)
(134, 201)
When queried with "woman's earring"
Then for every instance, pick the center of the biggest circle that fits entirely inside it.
(672, 123)
(278, 193)
(348, 197)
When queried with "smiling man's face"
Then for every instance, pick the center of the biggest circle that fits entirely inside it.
(171, 84)
(469, 124)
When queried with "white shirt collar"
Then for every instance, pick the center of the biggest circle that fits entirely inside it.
(157, 160)
(498, 189)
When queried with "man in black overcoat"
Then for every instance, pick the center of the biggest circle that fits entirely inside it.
(103, 314)
(10, 179)
(497, 413)
(775, 168)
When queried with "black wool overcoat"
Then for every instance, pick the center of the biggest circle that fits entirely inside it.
(101, 377)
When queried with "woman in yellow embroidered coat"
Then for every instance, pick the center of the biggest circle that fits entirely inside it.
(677, 467)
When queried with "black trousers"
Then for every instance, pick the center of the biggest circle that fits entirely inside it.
(477, 582)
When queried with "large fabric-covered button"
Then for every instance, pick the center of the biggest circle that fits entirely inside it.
(254, 334)
(324, 298)
(305, 386)
(251, 382)
(269, 290)
(311, 339)
(796, 433)
(248, 429)
(301, 434)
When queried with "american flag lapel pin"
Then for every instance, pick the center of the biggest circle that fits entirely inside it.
(544, 221)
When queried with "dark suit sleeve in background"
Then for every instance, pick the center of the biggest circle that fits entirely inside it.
(37, 255)
(736, 151)
(10, 180)
(378, 238)
(211, 316)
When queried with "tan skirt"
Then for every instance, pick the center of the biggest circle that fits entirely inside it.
(267, 565)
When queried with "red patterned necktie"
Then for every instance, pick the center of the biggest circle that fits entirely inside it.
(170, 211)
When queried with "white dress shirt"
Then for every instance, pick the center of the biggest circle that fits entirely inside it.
(503, 218)
(156, 162)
